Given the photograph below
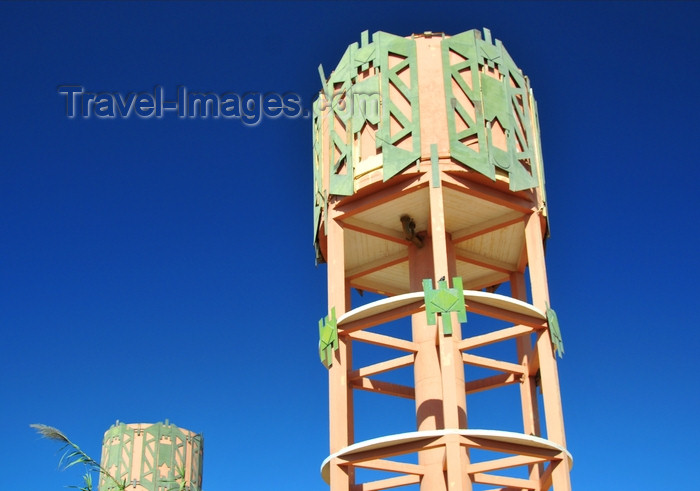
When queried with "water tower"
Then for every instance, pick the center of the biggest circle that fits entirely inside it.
(429, 193)
(152, 457)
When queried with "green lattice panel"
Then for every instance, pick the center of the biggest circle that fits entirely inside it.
(518, 95)
(505, 100)
(319, 190)
(501, 102)
(149, 462)
(538, 163)
(339, 115)
(117, 455)
(464, 73)
(347, 104)
(396, 159)
(346, 99)
(197, 452)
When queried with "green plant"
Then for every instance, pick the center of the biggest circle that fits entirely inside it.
(87, 477)
(73, 455)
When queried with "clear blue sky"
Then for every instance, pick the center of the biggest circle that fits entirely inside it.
(158, 269)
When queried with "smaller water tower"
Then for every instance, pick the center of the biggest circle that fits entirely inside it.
(152, 457)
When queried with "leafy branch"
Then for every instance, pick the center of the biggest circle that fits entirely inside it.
(73, 455)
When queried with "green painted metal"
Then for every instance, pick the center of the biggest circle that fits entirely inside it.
(348, 102)
(336, 112)
(538, 159)
(121, 439)
(364, 38)
(366, 103)
(443, 301)
(555, 331)
(396, 159)
(465, 74)
(340, 125)
(328, 338)
(502, 100)
(319, 191)
(351, 103)
(434, 165)
(164, 445)
(324, 82)
(518, 113)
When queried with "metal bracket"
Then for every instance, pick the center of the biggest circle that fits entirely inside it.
(443, 301)
(328, 338)
(555, 331)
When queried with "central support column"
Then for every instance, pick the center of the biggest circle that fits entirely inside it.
(428, 382)
(438, 367)
(451, 366)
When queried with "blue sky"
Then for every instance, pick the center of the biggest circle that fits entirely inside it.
(164, 268)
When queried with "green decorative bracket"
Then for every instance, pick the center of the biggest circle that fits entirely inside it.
(554, 331)
(443, 301)
(328, 338)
